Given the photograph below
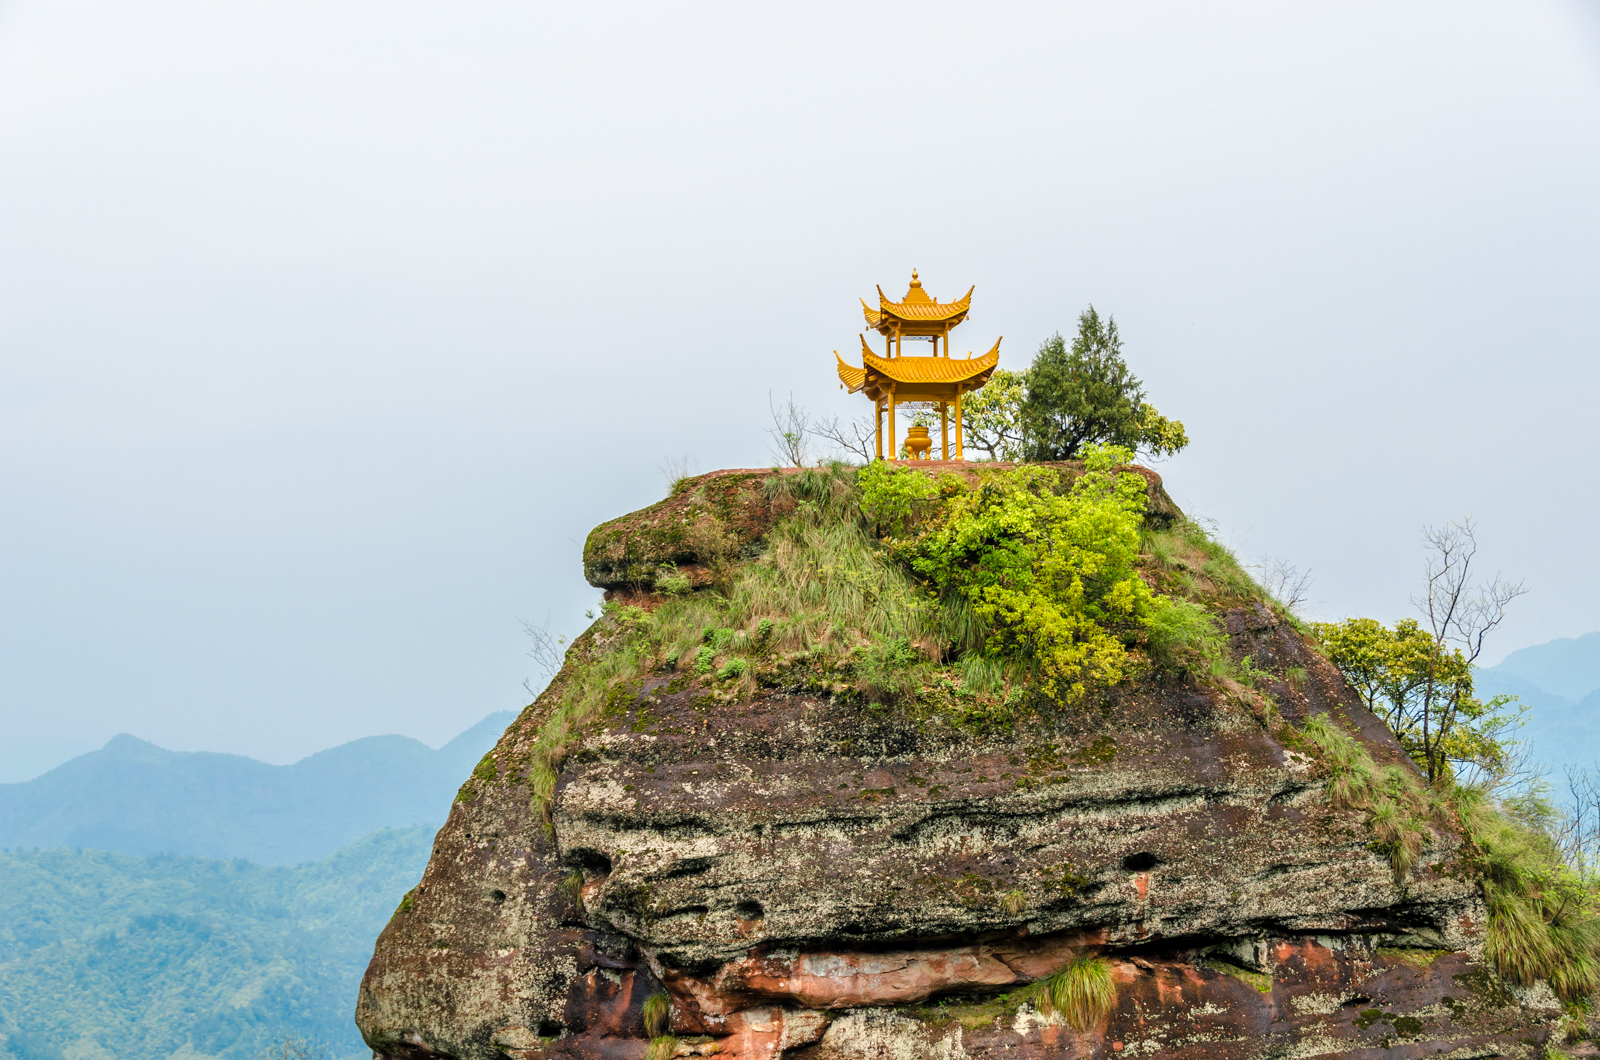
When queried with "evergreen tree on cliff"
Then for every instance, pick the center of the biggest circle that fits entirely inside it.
(1086, 394)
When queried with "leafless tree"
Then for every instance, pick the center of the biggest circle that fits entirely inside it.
(1286, 583)
(548, 650)
(1578, 831)
(857, 437)
(1460, 613)
(791, 429)
(1515, 769)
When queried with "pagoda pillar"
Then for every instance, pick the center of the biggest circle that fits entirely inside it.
(944, 427)
(894, 450)
(877, 416)
(960, 454)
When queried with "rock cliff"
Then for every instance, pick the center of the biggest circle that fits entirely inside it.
(771, 864)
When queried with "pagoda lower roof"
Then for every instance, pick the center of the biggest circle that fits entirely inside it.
(917, 378)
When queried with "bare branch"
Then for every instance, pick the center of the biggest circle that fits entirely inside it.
(858, 437)
(791, 425)
(1285, 582)
(1459, 612)
(548, 650)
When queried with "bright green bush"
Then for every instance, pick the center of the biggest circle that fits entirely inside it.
(1050, 571)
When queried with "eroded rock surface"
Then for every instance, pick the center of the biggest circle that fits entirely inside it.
(811, 876)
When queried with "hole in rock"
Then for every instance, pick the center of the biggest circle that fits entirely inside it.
(1143, 861)
(1359, 999)
(497, 896)
(591, 862)
(690, 867)
(551, 1028)
(749, 909)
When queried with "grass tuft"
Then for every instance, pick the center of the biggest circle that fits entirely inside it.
(1543, 918)
(657, 1014)
(1083, 993)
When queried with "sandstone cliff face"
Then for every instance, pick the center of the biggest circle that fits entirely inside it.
(810, 876)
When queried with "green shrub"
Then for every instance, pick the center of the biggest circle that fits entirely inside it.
(1083, 993)
(894, 498)
(1543, 921)
(1396, 803)
(671, 581)
(704, 659)
(662, 1048)
(1051, 572)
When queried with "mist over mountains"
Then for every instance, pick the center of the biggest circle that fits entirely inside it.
(132, 797)
(1560, 680)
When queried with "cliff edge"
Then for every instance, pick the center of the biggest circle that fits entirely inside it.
(737, 829)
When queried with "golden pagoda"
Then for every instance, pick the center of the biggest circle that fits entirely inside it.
(926, 380)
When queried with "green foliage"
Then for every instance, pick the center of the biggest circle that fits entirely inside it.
(1423, 690)
(1543, 919)
(1397, 806)
(657, 1014)
(1190, 564)
(1160, 436)
(893, 498)
(114, 955)
(1185, 638)
(1051, 572)
(672, 582)
(991, 417)
(1086, 395)
(571, 889)
(1083, 993)
(663, 1047)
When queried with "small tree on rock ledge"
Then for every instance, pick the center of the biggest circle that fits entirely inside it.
(1086, 394)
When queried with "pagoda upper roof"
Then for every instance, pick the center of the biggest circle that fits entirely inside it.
(918, 313)
(917, 378)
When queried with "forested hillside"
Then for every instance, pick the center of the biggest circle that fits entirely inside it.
(142, 958)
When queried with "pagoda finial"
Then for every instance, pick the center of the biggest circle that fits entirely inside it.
(916, 294)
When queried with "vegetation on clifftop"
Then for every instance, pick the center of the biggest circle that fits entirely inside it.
(990, 595)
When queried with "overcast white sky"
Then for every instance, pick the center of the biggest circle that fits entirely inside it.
(328, 330)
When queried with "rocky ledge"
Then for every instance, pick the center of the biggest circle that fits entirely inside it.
(802, 874)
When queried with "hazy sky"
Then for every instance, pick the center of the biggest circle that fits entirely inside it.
(328, 330)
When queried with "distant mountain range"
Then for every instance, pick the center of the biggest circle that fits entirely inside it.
(148, 958)
(1560, 680)
(133, 797)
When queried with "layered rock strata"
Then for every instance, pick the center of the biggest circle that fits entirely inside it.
(809, 876)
